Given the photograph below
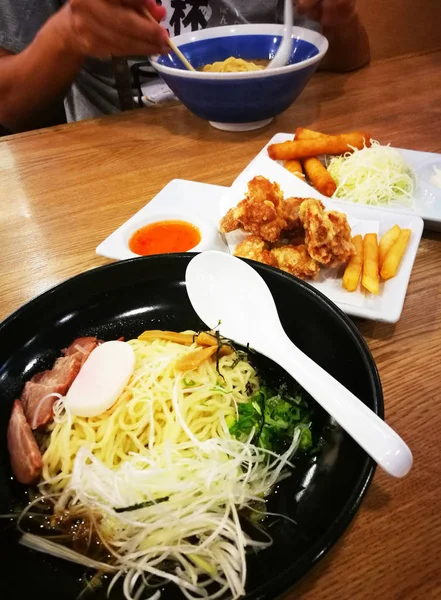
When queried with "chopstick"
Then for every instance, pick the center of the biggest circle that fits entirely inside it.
(170, 42)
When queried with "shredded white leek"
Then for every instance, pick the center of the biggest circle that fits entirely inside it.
(41, 544)
(196, 527)
(378, 176)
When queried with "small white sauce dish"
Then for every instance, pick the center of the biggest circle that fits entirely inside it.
(426, 174)
(429, 170)
(117, 244)
(179, 200)
(208, 233)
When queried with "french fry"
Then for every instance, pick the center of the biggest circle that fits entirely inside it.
(333, 144)
(319, 177)
(294, 167)
(354, 267)
(394, 255)
(386, 242)
(370, 279)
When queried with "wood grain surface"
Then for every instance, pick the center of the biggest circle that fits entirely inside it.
(63, 190)
(401, 26)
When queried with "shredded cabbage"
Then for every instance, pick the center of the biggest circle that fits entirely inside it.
(377, 176)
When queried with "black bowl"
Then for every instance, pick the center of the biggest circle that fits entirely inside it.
(127, 297)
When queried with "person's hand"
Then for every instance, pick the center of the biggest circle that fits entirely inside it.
(329, 13)
(104, 28)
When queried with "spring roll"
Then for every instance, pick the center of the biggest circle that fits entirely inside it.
(295, 167)
(333, 144)
(308, 134)
(319, 177)
(317, 174)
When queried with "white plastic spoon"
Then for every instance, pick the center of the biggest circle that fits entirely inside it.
(284, 52)
(225, 289)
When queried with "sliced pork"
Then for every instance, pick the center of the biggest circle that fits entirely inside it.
(35, 408)
(38, 401)
(81, 348)
(63, 373)
(43, 389)
(39, 394)
(26, 461)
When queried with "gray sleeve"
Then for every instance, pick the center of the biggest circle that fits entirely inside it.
(20, 20)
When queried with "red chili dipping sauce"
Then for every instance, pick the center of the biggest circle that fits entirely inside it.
(164, 237)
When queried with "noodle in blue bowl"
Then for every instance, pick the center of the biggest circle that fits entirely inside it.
(244, 100)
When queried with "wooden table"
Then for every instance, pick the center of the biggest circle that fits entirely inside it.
(63, 190)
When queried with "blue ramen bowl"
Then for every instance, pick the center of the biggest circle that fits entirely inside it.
(240, 101)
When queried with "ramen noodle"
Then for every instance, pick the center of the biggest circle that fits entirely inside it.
(234, 65)
(156, 487)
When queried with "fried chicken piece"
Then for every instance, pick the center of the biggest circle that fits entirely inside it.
(254, 248)
(230, 221)
(342, 245)
(257, 213)
(261, 190)
(296, 238)
(261, 219)
(296, 260)
(293, 238)
(255, 217)
(289, 211)
(327, 234)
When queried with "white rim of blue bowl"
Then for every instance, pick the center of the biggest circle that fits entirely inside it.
(308, 35)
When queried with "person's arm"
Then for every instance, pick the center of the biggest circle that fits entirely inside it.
(342, 26)
(32, 81)
(348, 46)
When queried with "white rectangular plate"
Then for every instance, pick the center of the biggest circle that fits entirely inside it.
(387, 306)
(427, 197)
(207, 203)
